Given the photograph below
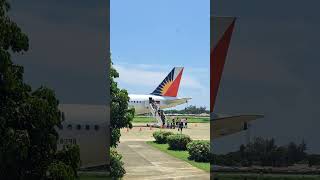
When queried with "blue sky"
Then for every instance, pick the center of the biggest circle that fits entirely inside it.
(149, 38)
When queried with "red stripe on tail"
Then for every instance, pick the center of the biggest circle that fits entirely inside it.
(218, 56)
(173, 90)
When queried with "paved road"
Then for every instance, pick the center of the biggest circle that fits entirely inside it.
(143, 161)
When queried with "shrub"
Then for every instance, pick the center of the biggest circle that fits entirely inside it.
(313, 159)
(178, 141)
(199, 151)
(70, 156)
(116, 165)
(161, 136)
(59, 170)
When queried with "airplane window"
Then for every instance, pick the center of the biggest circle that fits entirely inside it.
(78, 126)
(134, 101)
(87, 127)
(70, 127)
(96, 127)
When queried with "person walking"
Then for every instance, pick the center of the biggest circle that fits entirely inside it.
(177, 123)
(181, 125)
(186, 123)
(173, 123)
(183, 122)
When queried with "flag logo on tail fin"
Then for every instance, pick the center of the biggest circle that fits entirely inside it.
(220, 36)
(170, 85)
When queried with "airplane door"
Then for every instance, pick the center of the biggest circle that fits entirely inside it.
(148, 102)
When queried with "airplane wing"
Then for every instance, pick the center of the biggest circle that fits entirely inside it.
(226, 125)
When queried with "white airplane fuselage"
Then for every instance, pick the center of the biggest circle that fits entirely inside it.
(140, 102)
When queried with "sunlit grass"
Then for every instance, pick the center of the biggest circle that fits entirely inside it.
(183, 155)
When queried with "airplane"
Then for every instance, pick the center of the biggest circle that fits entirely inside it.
(221, 29)
(164, 96)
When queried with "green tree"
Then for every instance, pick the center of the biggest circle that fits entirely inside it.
(121, 116)
(28, 139)
(70, 156)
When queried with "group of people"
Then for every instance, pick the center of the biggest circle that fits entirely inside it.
(176, 123)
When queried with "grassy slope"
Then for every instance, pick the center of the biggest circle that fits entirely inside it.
(145, 119)
(183, 155)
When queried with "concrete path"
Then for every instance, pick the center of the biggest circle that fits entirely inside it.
(143, 161)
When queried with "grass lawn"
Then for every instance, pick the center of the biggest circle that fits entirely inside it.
(227, 176)
(191, 119)
(183, 155)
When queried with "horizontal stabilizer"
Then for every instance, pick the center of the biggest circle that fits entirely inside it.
(226, 125)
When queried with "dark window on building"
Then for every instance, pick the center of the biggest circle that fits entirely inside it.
(63, 117)
(70, 127)
(60, 126)
(96, 127)
(87, 127)
(61, 141)
(78, 126)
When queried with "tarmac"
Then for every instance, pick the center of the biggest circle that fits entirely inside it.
(197, 131)
(142, 161)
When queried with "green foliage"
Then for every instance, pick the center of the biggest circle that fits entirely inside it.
(191, 119)
(28, 139)
(121, 116)
(225, 160)
(161, 136)
(189, 110)
(199, 151)
(264, 152)
(313, 160)
(178, 141)
(59, 171)
(116, 165)
(70, 156)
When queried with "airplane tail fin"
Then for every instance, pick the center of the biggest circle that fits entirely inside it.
(170, 85)
(220, 36)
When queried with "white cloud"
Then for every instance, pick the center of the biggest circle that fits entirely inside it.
(152, 75)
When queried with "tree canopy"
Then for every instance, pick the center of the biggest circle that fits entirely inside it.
(264, 152)
(121, 116)
(28, 139)
(189, 110)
